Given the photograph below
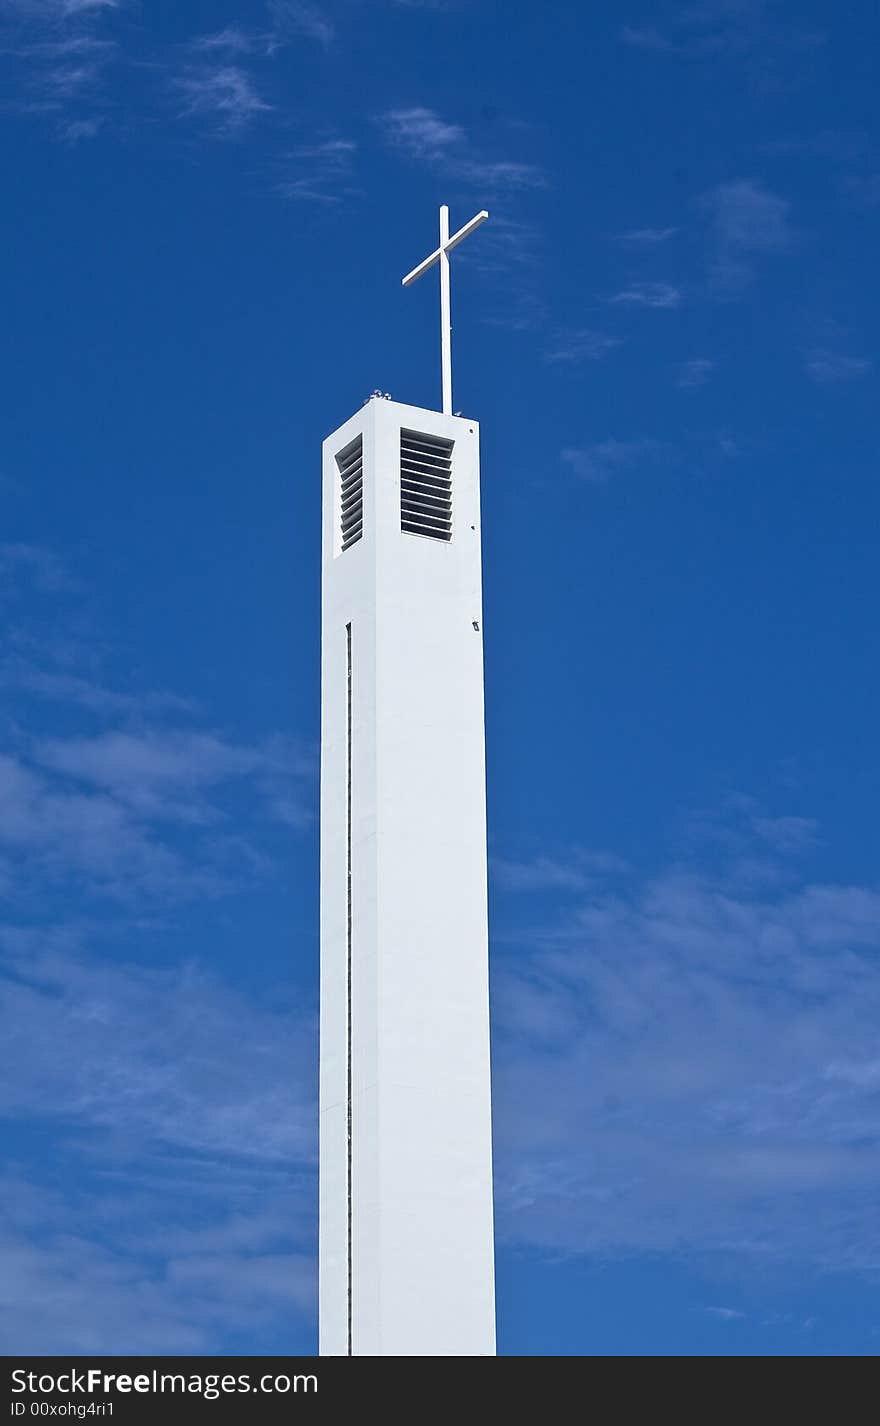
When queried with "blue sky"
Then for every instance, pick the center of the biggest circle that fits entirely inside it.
(668, 332)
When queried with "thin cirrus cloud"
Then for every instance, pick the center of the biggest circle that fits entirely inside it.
(19, 675)
(695, 373)
(421, 135)
(79, 7)
(578, 871)
(832, 368)
(570, 348)
(686, 1062)
(660, 296)
(681, 1066)
(99, 846)
(74, 131)
(721, 30)
(599, 462)
(27, 568)
(56, 836)
(689, 40)
(300, 17)
(168, 1063)
(648, 237)
(156, 773)
(320, 172)
(230, 40)
(173, 1089)
(181, 1111)
(60, 54)
(82, 1276)
(148, 804)
(224, 97)
(747, 222)
(288, 22)
(58, 10)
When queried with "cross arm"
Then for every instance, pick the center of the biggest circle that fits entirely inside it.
(447, 247)
(422, 267)
(464, 232)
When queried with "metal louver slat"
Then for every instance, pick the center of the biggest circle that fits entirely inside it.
(350, 464)
(425, 485)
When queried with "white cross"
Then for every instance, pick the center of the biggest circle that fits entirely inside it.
(441, 255)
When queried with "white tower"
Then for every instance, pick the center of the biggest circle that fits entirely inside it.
(406, 1235)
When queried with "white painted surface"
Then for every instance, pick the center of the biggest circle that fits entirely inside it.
(421, 1172)
(441, 255)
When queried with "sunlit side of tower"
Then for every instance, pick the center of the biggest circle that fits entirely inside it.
(406, 1233)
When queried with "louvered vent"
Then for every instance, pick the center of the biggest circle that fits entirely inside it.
(351, 491)
(425, 485)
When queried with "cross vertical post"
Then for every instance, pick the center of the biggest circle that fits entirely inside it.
(445, 314)
(441, 256)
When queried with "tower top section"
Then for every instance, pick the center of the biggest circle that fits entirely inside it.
(441, 255)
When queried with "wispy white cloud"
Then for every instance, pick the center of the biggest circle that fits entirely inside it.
(848, 146)
(659, 295)
(648, 237)
(151, 804)
(647, 37)
(693, 374)
(230, 40)
(748, 222)
(523, 311)
(20, 675)
(80, 7)
(54, 10)
(319, 172)
(669, 1057)
(160, 773)
(180, 1110)
(25, 567)
(288, 21)
(724, 29)
(787, 836)
(134, 816)
(57, 833)
(582, 345)
(300, 17)
(189, 1112)
(82, 1276)
(173, 1058)
(504, 175)
(423, 136)
(420, 133)
(863, 189)
(832, 368)
(223, 96)
(63, 54)
(601, 460)
(576, 872)
(749, 218)
(739, 825)
(75, 130)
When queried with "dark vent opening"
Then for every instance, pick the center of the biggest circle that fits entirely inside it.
(425, 485)
(351, 491)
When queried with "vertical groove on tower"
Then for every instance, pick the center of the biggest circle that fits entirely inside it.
(348, 965)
